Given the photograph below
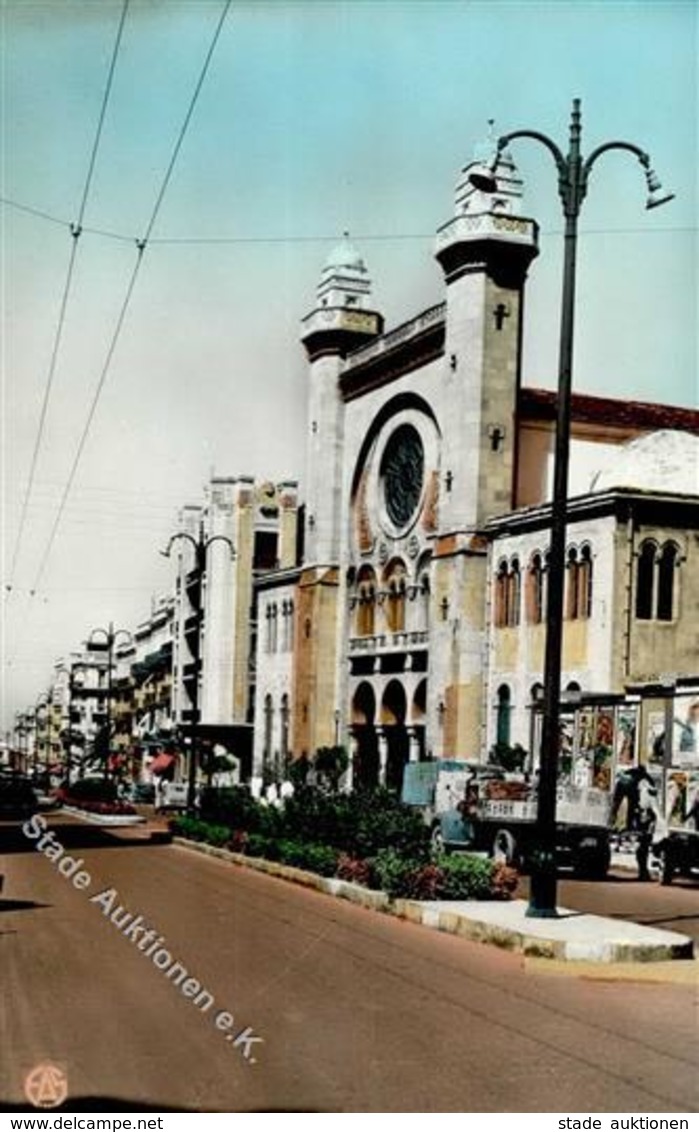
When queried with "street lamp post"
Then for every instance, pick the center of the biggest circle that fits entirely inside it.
(42, 702)
(111, 636)
(201, 545)
(573, 174)
(23, 727)
(72, 684)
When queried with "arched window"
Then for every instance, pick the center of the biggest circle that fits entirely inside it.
(366, 602)
(284, 712)
(535, 590)
(514, 593)
(394, 576)
(273, 629)
(504, 709)
(500, 603)
(645, 570)
(572, 584)
(268, 628)
(666, 582)
(290, 625)
(267, 749)
(585, 583)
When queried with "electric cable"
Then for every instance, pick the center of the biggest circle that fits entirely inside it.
(75, 231)
(140, 247)
(323, 238)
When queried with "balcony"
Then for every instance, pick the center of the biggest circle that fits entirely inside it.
(427, 320)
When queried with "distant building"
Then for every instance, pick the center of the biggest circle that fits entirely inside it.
(215, 624)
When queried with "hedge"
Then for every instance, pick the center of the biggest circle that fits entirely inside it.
(443, 877)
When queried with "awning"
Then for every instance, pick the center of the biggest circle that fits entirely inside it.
(161, 763)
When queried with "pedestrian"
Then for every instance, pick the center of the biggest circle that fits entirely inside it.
(627, 788)
(646, 822)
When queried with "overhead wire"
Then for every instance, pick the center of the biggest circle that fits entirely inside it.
(140, 246)
(75, 231)
(320, 237)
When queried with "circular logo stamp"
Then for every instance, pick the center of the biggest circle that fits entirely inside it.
(46, 1086)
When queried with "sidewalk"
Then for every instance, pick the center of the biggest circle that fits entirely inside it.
(571, 936)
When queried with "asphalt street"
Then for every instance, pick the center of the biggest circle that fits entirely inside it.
(358, 1011)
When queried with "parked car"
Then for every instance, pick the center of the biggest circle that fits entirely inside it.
(17, 798)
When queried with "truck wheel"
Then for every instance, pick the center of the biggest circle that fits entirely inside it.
(592, 864)
(504, 851)
(668, 869)
(437, 839)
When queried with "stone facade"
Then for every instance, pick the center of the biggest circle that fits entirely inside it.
(427, 468)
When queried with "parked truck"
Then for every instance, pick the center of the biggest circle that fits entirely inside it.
(479, 807)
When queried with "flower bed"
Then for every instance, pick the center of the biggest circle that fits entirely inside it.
(440, 877)
(95, 796)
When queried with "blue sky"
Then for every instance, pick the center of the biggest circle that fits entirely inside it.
(314, 117)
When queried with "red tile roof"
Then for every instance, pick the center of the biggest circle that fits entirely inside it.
(540, 404)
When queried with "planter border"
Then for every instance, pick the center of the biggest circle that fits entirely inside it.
(114, 820)
(470, 926)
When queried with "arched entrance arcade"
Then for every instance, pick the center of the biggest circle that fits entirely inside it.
(388, 730)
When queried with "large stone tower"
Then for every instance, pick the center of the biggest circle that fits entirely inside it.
(341, 321)
(484, 251)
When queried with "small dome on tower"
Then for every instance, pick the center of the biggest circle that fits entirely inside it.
(345, 255)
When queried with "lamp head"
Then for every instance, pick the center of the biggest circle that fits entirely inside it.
(656, 194)
(483, 178)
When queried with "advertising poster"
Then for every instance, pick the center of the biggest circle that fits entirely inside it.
(676, 798)
(625, 739)
(585, 747)
(685, 730)
(566, 746)
(655, 737)
(604, 750)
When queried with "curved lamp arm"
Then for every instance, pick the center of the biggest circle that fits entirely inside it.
(628, 146)
(535, 135)
(220, 538)
(181, 534)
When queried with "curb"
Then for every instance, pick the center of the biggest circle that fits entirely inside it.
(531, 945)
(116, 821)
(332, 886)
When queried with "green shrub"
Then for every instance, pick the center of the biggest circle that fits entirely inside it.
(446, 877)
(260, 846)
(389, 870)
(465, 877)
(358, 872)
(233, 806)
(358, 824)
(385, 823)
(196, 830)
(423, 883)
(183, 826)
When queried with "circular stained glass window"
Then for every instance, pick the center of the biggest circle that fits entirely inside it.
(402, 474)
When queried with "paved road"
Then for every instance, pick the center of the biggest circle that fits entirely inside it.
(359, 1011)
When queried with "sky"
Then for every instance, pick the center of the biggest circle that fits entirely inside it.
(314, 117)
